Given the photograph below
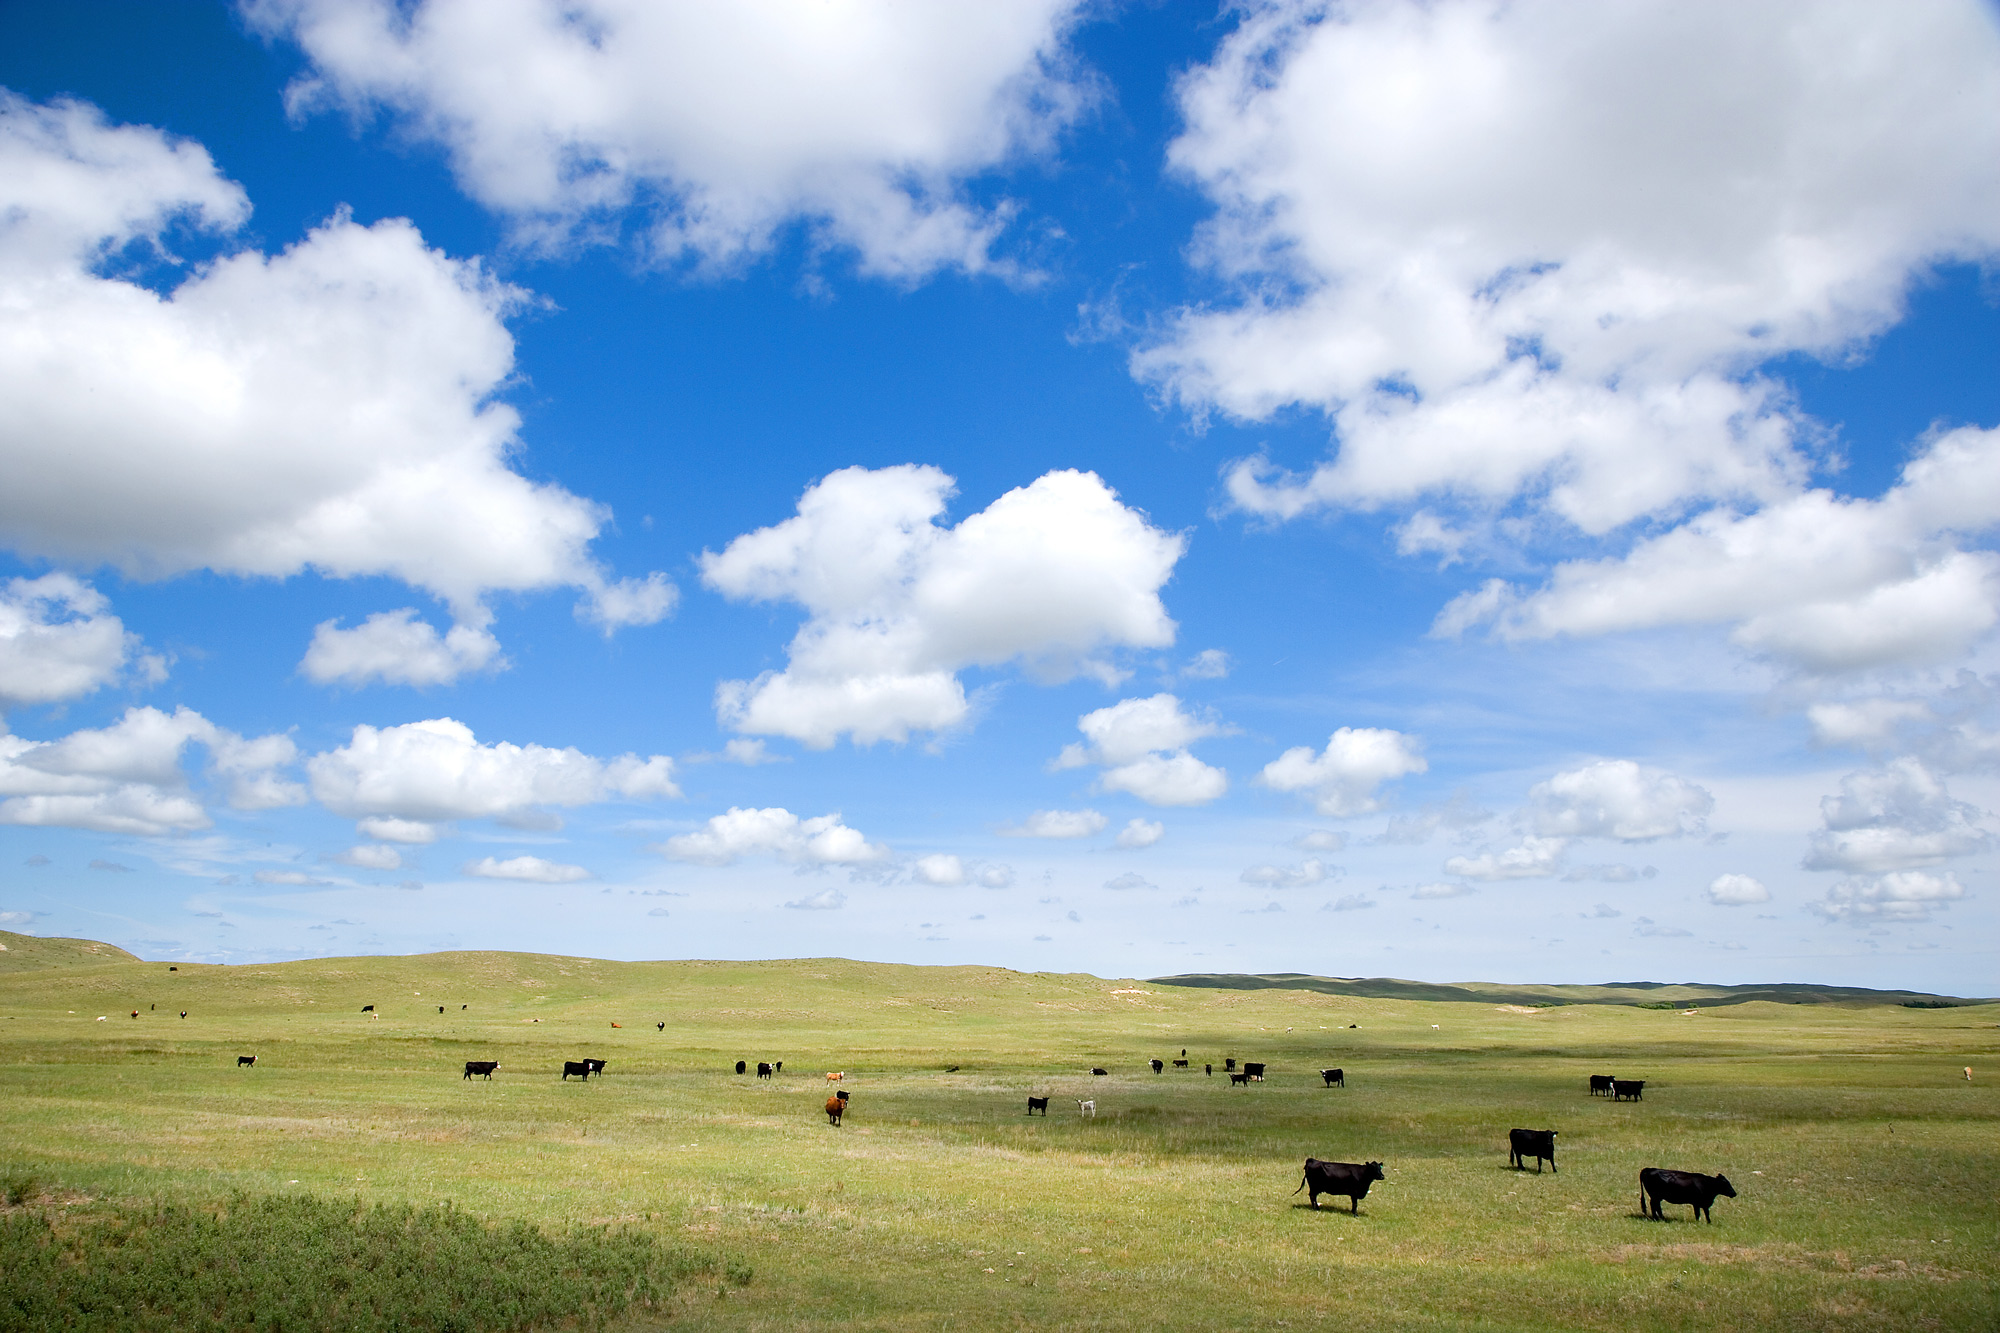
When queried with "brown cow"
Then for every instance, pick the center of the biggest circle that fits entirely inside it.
(835, 1106)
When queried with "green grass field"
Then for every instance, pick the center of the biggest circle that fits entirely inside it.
(1868, 1169)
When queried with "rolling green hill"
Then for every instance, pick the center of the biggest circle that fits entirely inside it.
(1685, 995)
(30, 953)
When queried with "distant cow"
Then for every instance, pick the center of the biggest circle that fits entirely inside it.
(367, 1008)
(1208, 1070)
(440, 1008)
(835, 1108)
(1235, 1079)
(1229, 1063)
(662, 1027)
(1539, 1144)
(184, 1013)
(1088, 1108)
(484, 1068)
(1100, 1072)
(1658, 1185)
(1628, 1089)
(243, 1060)
(836, 1076)
(595, 1066)
(741, 1066)
(1349, 1178)
(1038, 1104)
(1180, 1064)
(1600, 1085)
(1157, 1066)
(763, 1069)
(581, 1068)
(1254, 1070)
(1335, 1078)
(778, 1066)
(135, 1013)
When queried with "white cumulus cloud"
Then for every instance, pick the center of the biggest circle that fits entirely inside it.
(1312, 871)
(826, 900)
(943, 869)
(1052, 575)
(1142, 746)
(1617, 798)
(708, 128)
(59, 640)
(372, 856)
(1525, 248)
(1057, 824)
(401, 780)
(1139, 833)
(1897, 817)
(1345, 777)
(1532, 858)
(822, 840)
(1900, 896)
(329, 407)
(529, 869)
(396, 648)
(1737, 891)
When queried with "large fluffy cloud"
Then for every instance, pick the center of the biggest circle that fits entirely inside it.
(1052, 575)
(1345, 777)
(1901, 896)
(329, 407)
(1898, 817)
(1522, 249)
(59, 640)
(1142, 746)
(401, 781)
(718, 124)
(1824, 582)
(823, 840)
(128, 777)
(1616, 798)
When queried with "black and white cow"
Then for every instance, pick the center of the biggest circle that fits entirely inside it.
(1335, 1078)
(763, 1069)
(1349, 1178)
(1657, 1185)
(595, 1066)
(1156, 1065)
(1539, 1144)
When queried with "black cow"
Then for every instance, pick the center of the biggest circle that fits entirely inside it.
(662, 1027)
(595, 1066)
(763, 1069)
(1100, 1072)
(581, 1068)
(1208, 1070)
(1349, 1178)
(1038, 1104)
(740, 1066)
(243, 1060)
(1600, 1085)
(1229, 1063)
(1157, 1066)
(778, 1066)
(842, 1094)
(1235, 1079)
(1536, 1143)
(482, 1067)
(184, 1013)
(367, 1008)
(1628, 1089)
(1254, 1069)
(1335, 1078)
(1658, 1185)
(1180, 1064)
(440, 1008)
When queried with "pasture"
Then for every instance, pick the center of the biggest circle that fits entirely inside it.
(1867, 1168)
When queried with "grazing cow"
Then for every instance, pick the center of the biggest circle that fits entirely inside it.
(951, 1069)
(1088, 1108)
(1157, 1066)
(662, 1027)
(1039, 1104)
(243, 1060)
(835, 1108)
(763, 1069)
(184, 1013)
(1600, 1085)
(618, 1025)
(841, 1094)
(1183, 1052)
(1968, 1073)
(596, 1066)
(1100, 1073)
(440, 1008)
(778, 1066)
(135, 1013)
(1658, 1185)
(1335, 1078)
(1235, 1079)
(463, 1007)
(1349, 1178)
(835, 1078)
(484, 1068)
(1254, 1070)
(367, 1008)
(1628, 1089)
(173, 969)
(740, 1066)
(1208, 1070)
(1180, 1064)
(1539, 1144)
(581, 1068)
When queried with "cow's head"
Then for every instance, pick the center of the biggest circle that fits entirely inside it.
(1374, 1170)
(1723, 1187)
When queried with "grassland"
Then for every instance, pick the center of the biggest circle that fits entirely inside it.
(1868, 1168)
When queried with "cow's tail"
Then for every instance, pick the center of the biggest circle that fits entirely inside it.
(1295, 1193)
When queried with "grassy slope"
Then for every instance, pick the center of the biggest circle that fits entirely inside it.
(1868, 1167)
(29, 953)
(1687, 994)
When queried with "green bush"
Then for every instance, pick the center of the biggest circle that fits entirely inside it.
(297, 1264)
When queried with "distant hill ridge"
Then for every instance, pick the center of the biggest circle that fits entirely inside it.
(29, 953)
(1660, 994)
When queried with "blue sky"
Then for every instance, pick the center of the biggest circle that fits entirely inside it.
(1452, 491)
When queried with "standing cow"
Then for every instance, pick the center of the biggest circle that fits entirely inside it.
(836, 1106)
(1157, 1066)
(1039, 1104)
(1539, 1144)
(484, 1068)
(581, 1068)
(1335, 1078)
(1628, 1089)
(763, 1069)
(1657, 1185)
(1336, 1178)
(1600, 1085)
